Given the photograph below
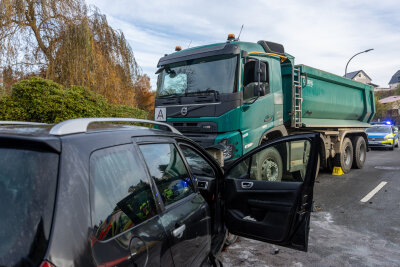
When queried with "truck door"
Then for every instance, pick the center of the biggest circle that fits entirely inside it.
(268, 197)
(258, 108)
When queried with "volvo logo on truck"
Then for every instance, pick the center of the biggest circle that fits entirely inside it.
(184, 111)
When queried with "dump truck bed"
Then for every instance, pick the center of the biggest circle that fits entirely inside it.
(329, 100)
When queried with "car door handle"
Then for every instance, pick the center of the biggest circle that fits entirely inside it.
(202, 185)
(178, 232)
(247, 185)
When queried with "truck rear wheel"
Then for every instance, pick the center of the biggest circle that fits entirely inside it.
(360, 152)
(345, 158)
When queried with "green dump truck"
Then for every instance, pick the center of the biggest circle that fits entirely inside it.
(237, 95)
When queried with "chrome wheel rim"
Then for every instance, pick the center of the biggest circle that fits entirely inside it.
(269, 170)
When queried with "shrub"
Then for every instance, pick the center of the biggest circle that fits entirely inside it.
(40, 100)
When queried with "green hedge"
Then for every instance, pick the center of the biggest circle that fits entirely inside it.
(40, 100)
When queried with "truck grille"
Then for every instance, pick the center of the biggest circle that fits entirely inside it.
(195, 127)
(204, 140)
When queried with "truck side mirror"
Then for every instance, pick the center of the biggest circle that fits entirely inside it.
(260, 72)
(259, 90)
(255, 77)
(261, 78)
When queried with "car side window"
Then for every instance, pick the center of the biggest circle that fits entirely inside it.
(198, 165)
(167, 169)
(121, 195)
(281, 162)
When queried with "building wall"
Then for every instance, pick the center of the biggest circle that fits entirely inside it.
(393, 85)
(360, 77)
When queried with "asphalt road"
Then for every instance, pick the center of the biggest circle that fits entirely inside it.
(344, 231)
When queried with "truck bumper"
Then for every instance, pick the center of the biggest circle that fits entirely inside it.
(230, 142)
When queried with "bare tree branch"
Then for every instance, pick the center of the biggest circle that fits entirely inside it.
(71, 44)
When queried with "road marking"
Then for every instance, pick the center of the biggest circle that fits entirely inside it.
(388, 168)
(373, 192)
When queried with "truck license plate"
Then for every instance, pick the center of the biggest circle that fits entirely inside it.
(160, 114)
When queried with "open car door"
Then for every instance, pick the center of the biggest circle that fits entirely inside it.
(269, 191)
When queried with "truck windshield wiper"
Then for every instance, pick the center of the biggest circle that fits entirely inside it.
(169, 96)
(207, 91)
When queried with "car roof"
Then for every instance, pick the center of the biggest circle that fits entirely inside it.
(44, 130)
(82, 125)
(26, 130)
(52, 134)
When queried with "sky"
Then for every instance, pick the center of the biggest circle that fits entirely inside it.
(318, 33)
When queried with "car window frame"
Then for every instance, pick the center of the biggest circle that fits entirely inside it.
(218, 169)
(165, 140)
(183, 143)
(134, 151)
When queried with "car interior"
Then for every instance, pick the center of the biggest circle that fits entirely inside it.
(263, 191)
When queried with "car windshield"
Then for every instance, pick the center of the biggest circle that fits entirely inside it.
(28, 181)
(379, 129)
(213, 75)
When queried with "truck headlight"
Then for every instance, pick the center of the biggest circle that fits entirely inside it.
(389, 138)
(229, 149)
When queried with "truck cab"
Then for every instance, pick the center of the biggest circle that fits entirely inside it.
(225, 95)
(235, 96)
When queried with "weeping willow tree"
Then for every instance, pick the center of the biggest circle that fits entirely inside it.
(70, 43)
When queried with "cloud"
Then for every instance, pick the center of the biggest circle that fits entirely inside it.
(322, 34)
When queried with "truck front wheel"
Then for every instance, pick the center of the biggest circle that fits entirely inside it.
(345, 158)
(360, 152)
(270, 166)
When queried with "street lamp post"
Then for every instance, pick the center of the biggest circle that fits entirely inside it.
(345, 71)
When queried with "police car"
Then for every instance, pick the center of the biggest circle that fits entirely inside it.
(383, 135)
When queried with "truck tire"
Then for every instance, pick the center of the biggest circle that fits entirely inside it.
(344, 159)
(270, 166)
(360, 152)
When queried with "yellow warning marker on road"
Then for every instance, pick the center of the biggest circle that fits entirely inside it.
(337, 171)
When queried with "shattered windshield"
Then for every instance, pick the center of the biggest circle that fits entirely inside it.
(206, 75)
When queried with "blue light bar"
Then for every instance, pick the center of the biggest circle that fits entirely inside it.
(388, 122)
